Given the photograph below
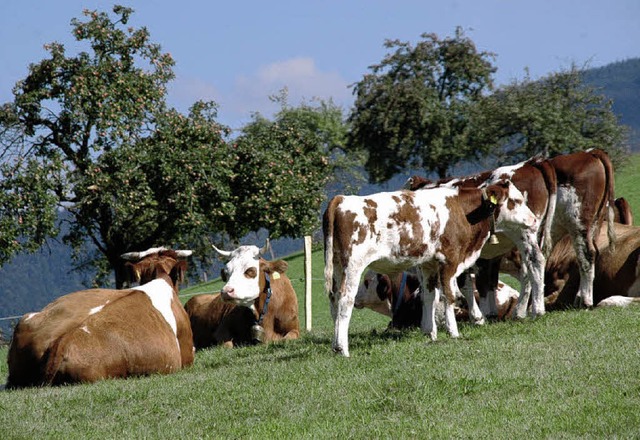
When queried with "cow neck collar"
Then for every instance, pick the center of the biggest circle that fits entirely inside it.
(265, 306)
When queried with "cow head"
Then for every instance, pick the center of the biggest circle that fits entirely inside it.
(374, 293)
(243, 273)
(148, 265)
(510, 204)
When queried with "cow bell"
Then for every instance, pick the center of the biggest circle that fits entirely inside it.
(493, 239)
(257, 334)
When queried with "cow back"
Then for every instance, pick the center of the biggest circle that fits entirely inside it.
(36, 332)
(127, 337)
(616, 271)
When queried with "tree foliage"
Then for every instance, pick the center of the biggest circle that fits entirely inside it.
(554, 115)
(412, 110)
(92, 134)
(282, 168)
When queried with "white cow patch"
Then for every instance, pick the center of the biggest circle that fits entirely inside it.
(618, 301)
(161, 295)
(507, 171)
(85, 329)
(30, 315)
(96, 309)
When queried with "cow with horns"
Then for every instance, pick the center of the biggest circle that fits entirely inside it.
(97, 334)
(257, 303)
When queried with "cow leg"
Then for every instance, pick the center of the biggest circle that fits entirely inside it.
(336, 286)
(487, 282)
(345, 302)
(430, 293)
(532, 276)
(450, 287)
(475, 314)
(585, 254)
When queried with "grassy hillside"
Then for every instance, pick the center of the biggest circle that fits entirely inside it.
(566, 375)
(628, 184)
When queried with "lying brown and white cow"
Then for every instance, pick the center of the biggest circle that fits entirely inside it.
(400, 300)
(617, 272)
(257, 298)
(441, 231)
(97, 334)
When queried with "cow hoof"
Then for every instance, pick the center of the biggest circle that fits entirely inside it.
(480, 321)
(535, 314)
(340, 351)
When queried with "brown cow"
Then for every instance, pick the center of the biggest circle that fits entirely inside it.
(617, 272)
(96, 334)
(441, 231)
(223, 319)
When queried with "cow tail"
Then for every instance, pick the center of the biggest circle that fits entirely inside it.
(551, 183)
(328, 230)
(608, 199)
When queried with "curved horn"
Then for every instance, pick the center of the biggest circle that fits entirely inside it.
(183, 253)
(265, 248)
(221, 252)
(140, 255)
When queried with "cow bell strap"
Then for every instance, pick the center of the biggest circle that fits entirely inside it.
(491, 202)
(265, 307)
(403, 283)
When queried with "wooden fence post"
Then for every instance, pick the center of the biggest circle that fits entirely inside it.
(307, 282)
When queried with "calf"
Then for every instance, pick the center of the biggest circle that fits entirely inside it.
(441, 231)
(257, 303)
(96, 334)
(536, 179)
(378, 292)
(578, 191)
(395, 296)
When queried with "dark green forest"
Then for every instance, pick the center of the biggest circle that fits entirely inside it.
(30, 281)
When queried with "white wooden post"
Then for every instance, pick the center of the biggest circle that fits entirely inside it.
(307, 282)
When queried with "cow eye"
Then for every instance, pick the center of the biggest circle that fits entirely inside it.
(224, 274)
(251, 272)
(366, 284)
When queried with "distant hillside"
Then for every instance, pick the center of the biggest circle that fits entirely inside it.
(621, 83)
(31, 281)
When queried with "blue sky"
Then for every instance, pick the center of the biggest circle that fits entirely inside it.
(239, 52)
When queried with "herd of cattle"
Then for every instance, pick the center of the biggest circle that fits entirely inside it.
(433, 250)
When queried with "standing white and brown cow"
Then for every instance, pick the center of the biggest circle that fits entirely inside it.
(441, 231)
(572, 194)
(257, 303)
(536, 180)
(97, 334)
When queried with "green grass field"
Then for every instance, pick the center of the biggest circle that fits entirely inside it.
(571, 374)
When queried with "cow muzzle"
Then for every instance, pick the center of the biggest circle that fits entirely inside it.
(228, 294)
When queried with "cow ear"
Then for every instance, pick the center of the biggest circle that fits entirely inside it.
(497, 194)
(271, 267)
(133, 272)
